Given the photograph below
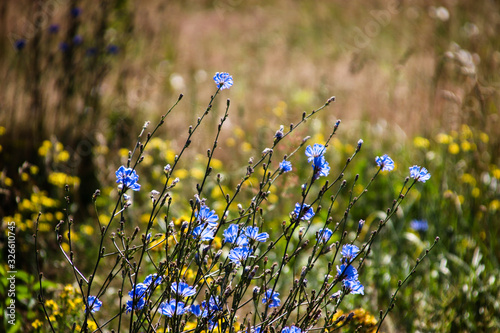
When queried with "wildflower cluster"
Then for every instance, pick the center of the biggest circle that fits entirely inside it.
(212, 264)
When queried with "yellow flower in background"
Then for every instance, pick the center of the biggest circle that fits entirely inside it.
(123, 152)
(65, 246)
(230, 142)
(197, 173)
(454, 148)
(181, 173)
(494, 205)
(467, 146)
(34, 169)
(36, 324)
(170, 156)
(280, 109)
(87, 230)
(44, 148)
(484, 137)
(63, 156)
(337, 144)
(60, 179)
(496, 173)
(465, 132)
(2, 130)
(238, 132)
(59, 216)
(101, 150)
(91, 325)
(246, 147)
(349, 149)
(444, 138)
(8, 181)
(421, 142)
(216, 164)
(25, 177)
(461, 199)
(468, 179)
(476, 192)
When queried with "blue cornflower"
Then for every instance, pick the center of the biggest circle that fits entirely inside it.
(291, 329)
(304, 212)
(253, 233)
(183, 289)
(20, 44)
(223, 80)
(204, 232)
(419, 225)
(347, 272)
(77, 40)
(214, 305)
(354, 286)
(285, 166)
(196, 310)
(152, 280)
(385, 163)
(172, 308)
(420, 174)
(239, 254)
(94, 303)
(54, 28)
(138, 304)
(349, 252)
(272, 298)
(232, 234)
(75, 12)
(324, 235)
(317, 150)
(112, 49)
(205, 215)
(127, 177)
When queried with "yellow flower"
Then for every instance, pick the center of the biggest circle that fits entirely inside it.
(230, 142)
(25, 177)
(494, 205)
(216, 164)
(444, 138)
(51, 304)
(123, 152)
(466, 132)
(496, 173)
(2, 130)
(170, 156)
(8, 181)
(91, 325)
(36, 324)
(101, 150)
(421, 142)
(466, 146)
(63, 156)
(246, 147)
(181, 173)
(468, 179)
(280, 109)
(197, 173)
(148, 160)
(239, 132)
(65, 246)
(34, 169)
(454, 148)
(87, 229)
(484, 137)
(476, 192)
(60, 179)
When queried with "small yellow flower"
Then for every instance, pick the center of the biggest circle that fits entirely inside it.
(181, 173)
(8, 181)
(51, 304)
(36, 324)
(25, 177)
(239, 132)
(123, 152)
(197, 173)
(34, 169)
(468, 179)
(2, 130)
(476, 192)
(466, 146)
(421, 142)
(65, 246)
(230, 142)
(444, 138)
(454, 148)
(63, 156)
(246, 147)
(496, 173)
(216, 164)
(87, 230)
(484, 137)
(91, 325)
(494, 205)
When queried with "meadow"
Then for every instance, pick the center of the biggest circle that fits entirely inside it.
(417, 80)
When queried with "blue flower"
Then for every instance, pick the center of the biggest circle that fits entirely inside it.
(204, 232)
(349, 252)
(183, 289)
(205, 215)
(196, 310)
(324, 235)
(419, 225)
(346, 272)
(127, 177)
(291, 329)
(77, 40)
(54, 28)
(20, 44)
(253, 233)
(152, 279)
(214, 305)
(139, 290)
(223, 80)
(239, 254)
(420, 174)
(63, 46)
(385, 163)
(112, 49)
(232, 234)
(320, 167)
(304, 212)
(255, 329)
(75, 12)
(285, 166)
(316, 151)
(94, 304)
(172, 308)
(354, 287)
(272, 298)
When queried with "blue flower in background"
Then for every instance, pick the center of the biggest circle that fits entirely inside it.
(306, 212)
(63, 46)
(285, 166)
(324, 235)
(419, 225)
(349, 252)
(214, 305)
(75, 12)
(128, 177)
(77, 40)
(94, 304)
(385, 163)
(291, 329)
(183, 289)
(204, 232)
(253, 233)
(239, 254)
(172, 308)
(223, 80)
(315, 151)
(137, 294)
(420, 174)
(20, 44)
(272, 298)
(54, 28)
(205, 215)
(112, 49)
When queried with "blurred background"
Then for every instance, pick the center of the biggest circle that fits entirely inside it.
(418, 80)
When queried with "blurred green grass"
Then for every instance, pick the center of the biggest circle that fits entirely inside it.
(410, 82)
